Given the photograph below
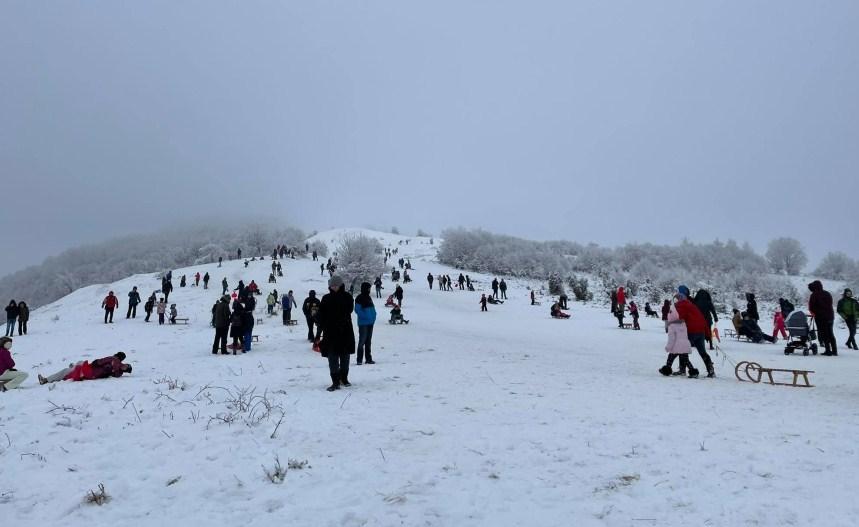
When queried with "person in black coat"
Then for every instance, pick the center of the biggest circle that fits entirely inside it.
(133, 300)
(820, 305)
(704, 302)
(338, 336)
(752, 307)
(237, 330)
(786, 307)
(310, 308)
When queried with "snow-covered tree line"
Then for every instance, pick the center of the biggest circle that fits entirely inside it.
(651, 271)
(116, 259)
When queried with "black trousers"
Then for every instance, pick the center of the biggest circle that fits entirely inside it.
(850, 321)
(310, 323)
(22, 327)
(108, 313)
(338, 366)
(132, 311)
(220, 340)
(826, 336)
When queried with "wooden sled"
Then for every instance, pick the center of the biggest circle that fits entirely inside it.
(181, 321)
(754, 372)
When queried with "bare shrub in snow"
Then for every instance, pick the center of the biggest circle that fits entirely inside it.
(359, 259)
(294, 464)
(836, 266)
(556, 285)
(786, 255)
(97, 497)
(276, 474)
(171, 383)
(579, 286)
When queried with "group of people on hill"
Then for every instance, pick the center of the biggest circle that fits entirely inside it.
(153, 304)
(11, 378)
(17, 312)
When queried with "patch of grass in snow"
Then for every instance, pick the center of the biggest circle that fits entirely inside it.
(618, 483)
(99, 497)
(277, 474)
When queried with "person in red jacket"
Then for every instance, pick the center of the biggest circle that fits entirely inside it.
(86, 371)
(696, 327)
(109, 303)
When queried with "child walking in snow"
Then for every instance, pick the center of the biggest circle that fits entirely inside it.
(677, 346)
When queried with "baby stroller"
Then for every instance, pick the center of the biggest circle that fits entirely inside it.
(802, 333)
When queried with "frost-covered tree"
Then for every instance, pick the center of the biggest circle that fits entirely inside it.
(786, 255)
(359, 259)
(421, 233)
(836, 266)
(320, 247)
(395, 230)
(556, 284)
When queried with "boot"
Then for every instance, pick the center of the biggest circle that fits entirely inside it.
(335, 384)
(711, 372)
(693, 373)
(665, 370)
(344, 380)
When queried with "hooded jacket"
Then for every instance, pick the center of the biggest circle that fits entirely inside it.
(335, 319)
(222, 313)
(6, 362)
(704, 302)
(820, 302)
(678, 339)
(848, 307)
(752, 307)
(689, 313)
(364, 308)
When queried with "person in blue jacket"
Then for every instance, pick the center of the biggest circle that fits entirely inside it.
(366, 312)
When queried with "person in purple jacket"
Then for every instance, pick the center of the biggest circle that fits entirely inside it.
(9, 377)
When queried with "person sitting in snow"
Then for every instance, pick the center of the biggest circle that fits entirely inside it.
(556, 311)
(9, 377)
(397, 316)
(493, 300)
(85, 371)
(649, 311)
(390, 302)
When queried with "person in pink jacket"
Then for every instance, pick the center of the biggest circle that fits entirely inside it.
(677, 346)
(778, 325)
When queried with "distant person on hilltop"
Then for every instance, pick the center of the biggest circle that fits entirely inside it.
(109, 303)
(197, 279)
(239, 253)
(24, 316)
(429, 280)
(502, 287)
(166, 288)
(224, 285)
(11, 317)
(133, 300)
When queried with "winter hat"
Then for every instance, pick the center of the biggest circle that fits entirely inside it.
(335, 282)
(4, 341)
(683, 290)
(848, 291)
(120, 355)
(225, 298)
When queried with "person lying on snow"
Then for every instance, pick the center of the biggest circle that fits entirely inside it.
(750, 328)
(86, 371)
(493, 300)
(556, 311)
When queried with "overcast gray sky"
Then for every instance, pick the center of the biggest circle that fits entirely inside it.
(593, 121)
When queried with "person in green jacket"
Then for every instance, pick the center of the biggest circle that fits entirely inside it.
(848, 308)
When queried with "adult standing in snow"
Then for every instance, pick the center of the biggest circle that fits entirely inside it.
(310, 308)
(429, 280)
(220, 260)
(10, 378)
(704, 303)
(11, 317)
(224, 285)
(248, 322)
(338, 336)
(109, 303)
(502, 286)
(133, 300)
(696, 327)
(24, 316)
(621, 298)
(820, 305)
(666, 308)
(239, 253)
(378, 284)
(236, 329)
(166, 287)
(495, 287)
(149, 306)
(752, 307)
(848, 308)
(366, 312)
(398, 294)
(287, 303)
(197, 279)
(206, 280)
(182, 281)
(222, 325)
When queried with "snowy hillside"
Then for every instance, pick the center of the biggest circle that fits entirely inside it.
(468, 418)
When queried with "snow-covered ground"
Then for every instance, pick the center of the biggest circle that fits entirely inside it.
(468, 418)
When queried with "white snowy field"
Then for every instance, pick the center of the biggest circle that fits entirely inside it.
(468, 418)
